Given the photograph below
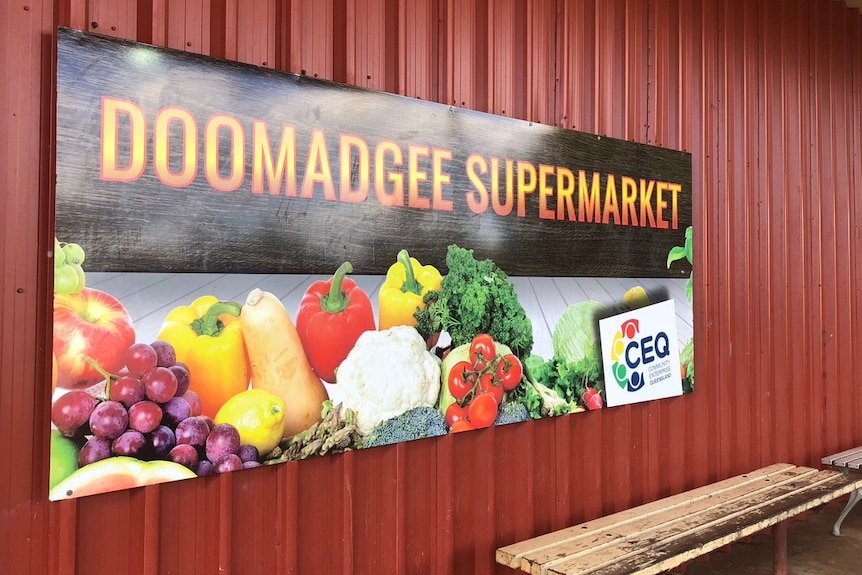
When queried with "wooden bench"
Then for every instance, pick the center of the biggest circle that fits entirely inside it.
(850, 460)
(664, 534)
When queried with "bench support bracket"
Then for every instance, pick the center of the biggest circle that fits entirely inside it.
(854, 499)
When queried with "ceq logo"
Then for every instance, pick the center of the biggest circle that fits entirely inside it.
(629, 354)
(640, 352)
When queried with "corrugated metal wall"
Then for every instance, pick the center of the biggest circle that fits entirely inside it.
(765, 95)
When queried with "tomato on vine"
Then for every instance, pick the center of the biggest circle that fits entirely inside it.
(459, 382)
(487, 384)
(482, 411)
(483, 350)
(455, 413)
(461, 425)
(509, 371)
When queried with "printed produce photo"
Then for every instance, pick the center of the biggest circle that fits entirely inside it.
(161, 377)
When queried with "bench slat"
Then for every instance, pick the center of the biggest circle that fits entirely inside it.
(658, 536)
(705, 532)
(609, 541)
(851, 458)
(510, 555)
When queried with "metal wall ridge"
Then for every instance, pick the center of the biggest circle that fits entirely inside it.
(763, 93)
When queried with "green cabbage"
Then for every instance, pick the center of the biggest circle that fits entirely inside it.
(576, 339)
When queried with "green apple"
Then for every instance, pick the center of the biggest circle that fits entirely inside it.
(64, 458)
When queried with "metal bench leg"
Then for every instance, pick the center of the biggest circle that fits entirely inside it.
(779, 548)
(854, 499)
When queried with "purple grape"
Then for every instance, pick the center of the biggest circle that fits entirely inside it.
(184, 454)
(128, 390)
(162, 440)
(181, 372)
(194, 402)
(248, 453)
(96, 449)
(72, 411)
(160, 384)
(130, 442)
(140, 358)
(193, 430)
(227, 463)
(209, 420)
(145, 416)
(250, 464)
(175, 410)
(166, 356)
(223, 440)
(205, 468)
(109, 419)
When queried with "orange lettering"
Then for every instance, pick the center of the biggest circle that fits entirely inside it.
(262, 160)
(396, 196)
(477, 199)
(318, 170)
(414, 200)
(360, 193)
(565, 191)
(162, 147)
(112, 108)
(526, 185)
(545, 192)
(237, 149)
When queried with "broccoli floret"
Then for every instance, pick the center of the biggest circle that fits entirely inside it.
(512, 412)
(476, 297)
(416, 423)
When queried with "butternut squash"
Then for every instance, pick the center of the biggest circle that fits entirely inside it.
(278, 361)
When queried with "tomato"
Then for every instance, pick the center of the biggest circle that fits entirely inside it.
(459, 382)
(510, 371)
(454, 414)
(483, 350)
(489, 385)
(593, 399)
(462, 425)
(482, 411)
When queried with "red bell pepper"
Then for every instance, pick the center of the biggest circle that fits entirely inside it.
(332, 315)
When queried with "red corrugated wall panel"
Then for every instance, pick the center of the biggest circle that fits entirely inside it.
(764, 94)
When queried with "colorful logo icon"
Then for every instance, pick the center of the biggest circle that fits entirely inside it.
(628, 378)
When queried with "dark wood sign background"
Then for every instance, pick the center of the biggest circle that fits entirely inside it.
(148, 226)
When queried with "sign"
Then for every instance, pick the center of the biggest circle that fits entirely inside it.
(641, 354)
(254, 267)
(291, 174)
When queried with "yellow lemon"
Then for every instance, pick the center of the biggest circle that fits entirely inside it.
(258, 415)
(636, 297)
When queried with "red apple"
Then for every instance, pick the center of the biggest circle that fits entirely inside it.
(94, 324)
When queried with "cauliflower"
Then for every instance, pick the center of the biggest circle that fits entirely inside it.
(387, 373)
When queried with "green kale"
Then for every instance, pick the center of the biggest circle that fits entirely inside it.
(476, 297)
(416, 423)
(569, 379)
(543, 393)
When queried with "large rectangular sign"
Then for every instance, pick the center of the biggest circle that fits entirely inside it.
(255, 267)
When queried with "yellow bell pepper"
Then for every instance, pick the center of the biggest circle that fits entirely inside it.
(407, 282)
(207, 337)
